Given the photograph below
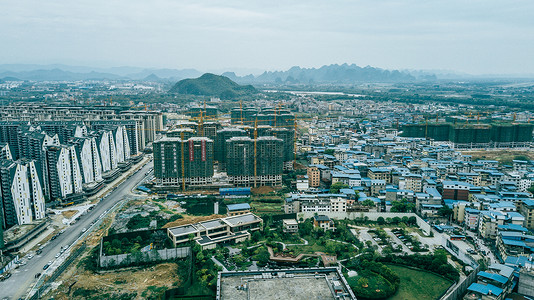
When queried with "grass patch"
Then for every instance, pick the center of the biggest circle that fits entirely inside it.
(502, 156)
(266, 208)
(307, 249)
(421, 285)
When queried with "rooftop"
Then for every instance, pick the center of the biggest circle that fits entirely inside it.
(484, 289)
(315, 283)
(181, 230)
(241, 219)
(239, 206)
(321, 218)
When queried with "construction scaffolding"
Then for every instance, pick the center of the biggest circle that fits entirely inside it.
(183, 163)
(254, 162)
(471, 133)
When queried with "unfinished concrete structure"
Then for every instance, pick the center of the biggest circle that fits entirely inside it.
(307, 283)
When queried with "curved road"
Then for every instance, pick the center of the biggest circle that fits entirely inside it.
(23, 278)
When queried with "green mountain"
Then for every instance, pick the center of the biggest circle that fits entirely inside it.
(212, 85)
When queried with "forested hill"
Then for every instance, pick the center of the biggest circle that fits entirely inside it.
(212, 85)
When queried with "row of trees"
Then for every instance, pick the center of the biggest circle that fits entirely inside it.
(133, 242)
(411, 221)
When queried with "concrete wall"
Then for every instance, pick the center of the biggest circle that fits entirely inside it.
(458, 253)
(372, 216)
(526, 282)
(131, 258)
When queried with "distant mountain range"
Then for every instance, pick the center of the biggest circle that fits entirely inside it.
(68, 73)
(331, 74)
(212, 85)
(340, 74)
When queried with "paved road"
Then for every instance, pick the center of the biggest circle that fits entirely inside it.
(23, 278)
(490, 256)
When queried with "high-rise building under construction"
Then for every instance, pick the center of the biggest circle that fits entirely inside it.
(220, 143)
(288, 137)
(183, 163)
(254, 162)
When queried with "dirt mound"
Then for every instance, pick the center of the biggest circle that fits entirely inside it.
(69, 213)
(191, 220)
(298, 166)
(262, 190)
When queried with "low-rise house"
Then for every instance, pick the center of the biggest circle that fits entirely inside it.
(484, 292)
(513, 243)
(323, 222)
(209, 233)
(290, 225)
(472, 218)
(238, 209)
(526, 208)
(489, 220)
(303, 183)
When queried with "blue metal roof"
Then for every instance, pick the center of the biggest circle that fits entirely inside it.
(512, 227)
(495, 277)
(513, 243)
(143, 188)
(484, 289)
(239, 206)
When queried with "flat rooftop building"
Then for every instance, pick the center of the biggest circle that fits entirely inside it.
(210, 233)
(309, 283)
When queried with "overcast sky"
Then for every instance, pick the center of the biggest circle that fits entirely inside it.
(473, 36)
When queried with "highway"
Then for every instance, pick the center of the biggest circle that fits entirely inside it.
(23, 278)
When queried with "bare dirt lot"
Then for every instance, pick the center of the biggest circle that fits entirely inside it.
(69, 213)
(137, 284)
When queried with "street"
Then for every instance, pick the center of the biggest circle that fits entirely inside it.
(23, 278)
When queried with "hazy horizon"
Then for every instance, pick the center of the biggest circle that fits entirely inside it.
(476, 37)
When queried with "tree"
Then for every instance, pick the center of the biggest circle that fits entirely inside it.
(368, 202)
(329, 151)
(334, 188)
(445, 211)
(402, 206)
(363, 282)
(380, 221)
(226, 252)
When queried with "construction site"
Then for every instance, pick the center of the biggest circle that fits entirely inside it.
(496, 135)
(310, 283)
(252, 152)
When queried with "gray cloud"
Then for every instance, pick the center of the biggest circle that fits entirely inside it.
(489, 36)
